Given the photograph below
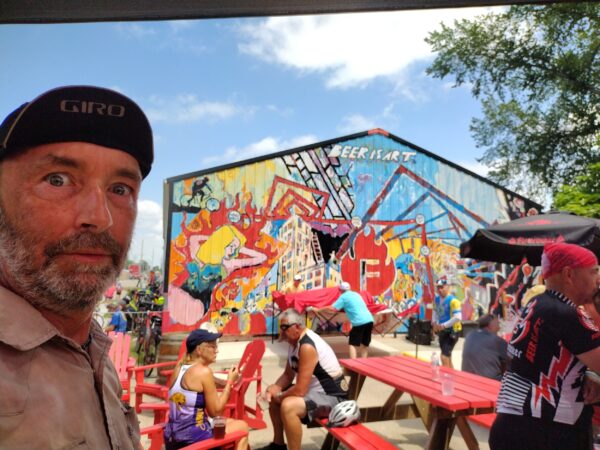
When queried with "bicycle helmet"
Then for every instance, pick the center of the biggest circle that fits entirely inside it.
(344, 414)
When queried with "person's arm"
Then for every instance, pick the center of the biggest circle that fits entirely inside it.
(113, 323)
(201, 379)
(282, 383)
(456, 315)
(591, 359)
(328, 308)
(307, 361)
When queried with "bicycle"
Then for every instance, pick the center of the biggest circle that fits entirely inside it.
(148, 340)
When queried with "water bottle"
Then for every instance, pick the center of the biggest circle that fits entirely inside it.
(435, 366)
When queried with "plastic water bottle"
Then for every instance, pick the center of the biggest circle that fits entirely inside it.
(435, 366)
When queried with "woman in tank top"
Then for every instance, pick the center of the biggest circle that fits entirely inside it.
(193, 396)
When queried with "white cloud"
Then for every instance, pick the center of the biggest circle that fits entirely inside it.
(355, 123)
(179, 25)
(148, 241)
(476, 167)
(349, 49)
(263, 147)
(188, 108)
(135, 30)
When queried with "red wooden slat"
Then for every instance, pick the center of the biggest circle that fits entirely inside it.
(414, 376)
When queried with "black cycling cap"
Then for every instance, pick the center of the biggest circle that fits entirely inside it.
(80, 114)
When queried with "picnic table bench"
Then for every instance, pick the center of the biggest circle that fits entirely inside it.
(355, 437)
(473, 395)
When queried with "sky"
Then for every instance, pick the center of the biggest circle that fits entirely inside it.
(220, 91)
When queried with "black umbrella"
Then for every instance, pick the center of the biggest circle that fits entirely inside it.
(510, 242)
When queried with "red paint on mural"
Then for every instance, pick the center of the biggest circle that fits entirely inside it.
(368, 266)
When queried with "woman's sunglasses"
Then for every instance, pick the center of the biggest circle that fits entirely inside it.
(285, 326)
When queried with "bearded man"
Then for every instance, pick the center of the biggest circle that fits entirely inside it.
(71, 165)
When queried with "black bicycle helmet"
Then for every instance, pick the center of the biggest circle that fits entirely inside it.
(344, 414)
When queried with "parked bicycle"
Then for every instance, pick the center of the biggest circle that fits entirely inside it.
(148, 339)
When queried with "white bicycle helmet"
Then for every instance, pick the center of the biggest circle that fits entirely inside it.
(344, 414)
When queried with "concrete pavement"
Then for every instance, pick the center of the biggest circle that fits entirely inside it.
(406, 434)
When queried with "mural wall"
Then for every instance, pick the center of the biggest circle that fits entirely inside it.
(369, 209)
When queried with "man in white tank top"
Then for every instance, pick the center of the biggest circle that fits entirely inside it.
(319, 383)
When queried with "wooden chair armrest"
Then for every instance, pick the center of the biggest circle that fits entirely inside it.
(138, 371)
(160, 411)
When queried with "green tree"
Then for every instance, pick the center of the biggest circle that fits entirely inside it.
(536, 71)
(583, 197)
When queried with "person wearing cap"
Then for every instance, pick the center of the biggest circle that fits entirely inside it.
(193, 396)
(359, 316)
(484, 352)
(544, 400)
(296, 285)
(71, 165)
(446, 320)
(118, 321)
(319, 383)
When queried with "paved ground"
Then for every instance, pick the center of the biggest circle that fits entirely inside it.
(406, 434)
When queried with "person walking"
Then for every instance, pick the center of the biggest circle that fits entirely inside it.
(447, 320)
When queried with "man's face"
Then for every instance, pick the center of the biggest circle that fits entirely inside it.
(585, 282)
(290, 332)
(494, 326)
(443, 290)
(67, 212)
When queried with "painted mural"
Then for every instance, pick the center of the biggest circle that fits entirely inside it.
(370, 209)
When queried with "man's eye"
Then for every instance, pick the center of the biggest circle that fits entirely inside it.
(57, 179)
(121, 189)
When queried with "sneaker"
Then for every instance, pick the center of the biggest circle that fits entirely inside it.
(273, 446)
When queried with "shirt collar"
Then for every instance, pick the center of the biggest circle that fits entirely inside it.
(562, 297)
(21, 325)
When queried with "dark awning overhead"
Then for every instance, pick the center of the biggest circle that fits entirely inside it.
(56, 11)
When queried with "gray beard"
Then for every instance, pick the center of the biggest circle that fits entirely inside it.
(49, 287)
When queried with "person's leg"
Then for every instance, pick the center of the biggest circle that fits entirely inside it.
(275, 414)
(446, 346)
(293, 409)
(447, 361)
(354, 339)
(365, 341)
(352, 351)
(238, 425)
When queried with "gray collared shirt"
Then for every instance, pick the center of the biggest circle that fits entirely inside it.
(53, 394)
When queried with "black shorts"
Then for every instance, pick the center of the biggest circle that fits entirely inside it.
(361, 335)
(448, 340)
(515, 432)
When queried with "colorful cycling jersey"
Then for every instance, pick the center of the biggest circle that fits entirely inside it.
(545, 378)
(447, 308)
(327, 376)
(188, 419)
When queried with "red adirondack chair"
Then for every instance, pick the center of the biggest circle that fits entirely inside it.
(156, 390)
(251, 371)
(119, 355)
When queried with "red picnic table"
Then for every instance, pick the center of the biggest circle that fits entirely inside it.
(472, 395)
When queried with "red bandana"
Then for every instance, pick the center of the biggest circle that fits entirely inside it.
(557, 256)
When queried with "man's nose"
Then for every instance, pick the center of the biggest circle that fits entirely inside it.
(94, 212)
